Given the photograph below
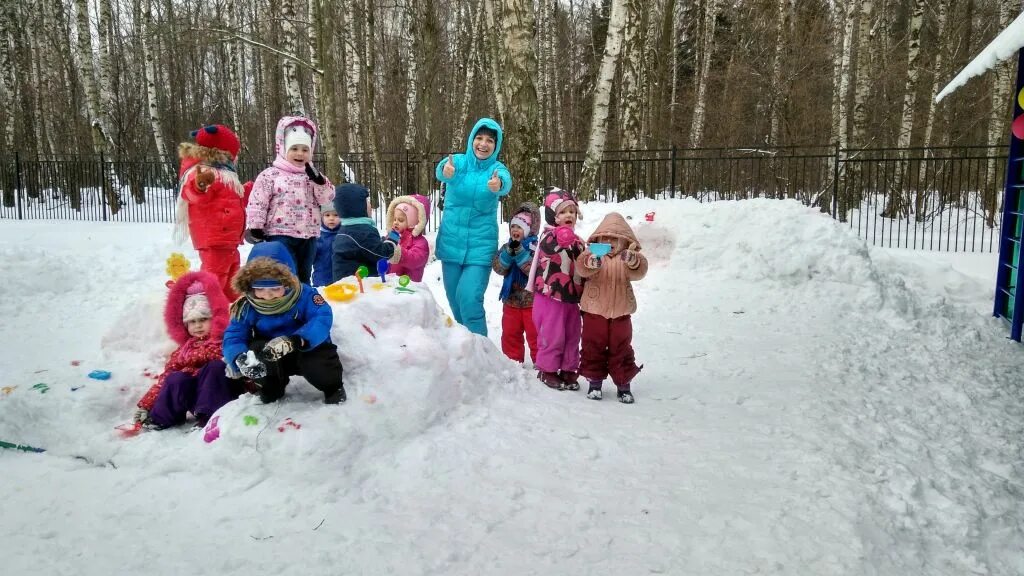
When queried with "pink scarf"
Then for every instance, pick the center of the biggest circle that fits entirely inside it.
(286, 166)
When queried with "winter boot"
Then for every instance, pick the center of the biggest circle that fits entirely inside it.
(551, 380)
(571, 379)
(595, 390)
(625, 396)
(336, 397)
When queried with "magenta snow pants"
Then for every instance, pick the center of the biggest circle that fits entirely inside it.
(559, 328)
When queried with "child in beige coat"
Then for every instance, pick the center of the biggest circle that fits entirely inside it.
(607, 304)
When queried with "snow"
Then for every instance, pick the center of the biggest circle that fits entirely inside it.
(809, 405)
(1006, 44)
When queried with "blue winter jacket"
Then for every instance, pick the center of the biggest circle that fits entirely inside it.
(323, 264)
(469, 226)
(310, 318)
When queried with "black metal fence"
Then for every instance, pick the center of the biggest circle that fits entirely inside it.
(941, 198)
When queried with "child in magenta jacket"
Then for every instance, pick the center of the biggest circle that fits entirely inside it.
(407, 218)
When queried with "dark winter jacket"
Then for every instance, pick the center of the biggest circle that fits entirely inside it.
(323, 264)
(358, 242)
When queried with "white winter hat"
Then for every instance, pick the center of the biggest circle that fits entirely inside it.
(296, 135)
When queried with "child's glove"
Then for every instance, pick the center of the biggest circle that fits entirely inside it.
(141, 416)
(204, 177)
(564, 236)
(280, 347)
(513, 246)
(255, 236)
(253, 371)
(315, 175)
(394, 236)
(631, 258)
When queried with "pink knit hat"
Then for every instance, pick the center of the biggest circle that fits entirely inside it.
(196, 306)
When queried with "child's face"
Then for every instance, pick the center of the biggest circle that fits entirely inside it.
(331, 219)
(516, 233)
(198, 328)
(401, 222)
(567, 216)
(268, 293)
(483, 146)
(298, 154)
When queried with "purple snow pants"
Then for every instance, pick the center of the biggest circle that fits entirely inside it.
(202, 395)
(559, 327)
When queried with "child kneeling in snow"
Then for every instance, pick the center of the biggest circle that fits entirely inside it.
(358, 242)
(194, 378)
(281, 327)
(513, 261)
(607, 303)
(407, 217)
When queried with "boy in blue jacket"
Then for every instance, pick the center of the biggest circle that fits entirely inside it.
(280, 328)
(358, 242)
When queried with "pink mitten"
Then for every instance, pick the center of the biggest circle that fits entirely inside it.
(564, 236)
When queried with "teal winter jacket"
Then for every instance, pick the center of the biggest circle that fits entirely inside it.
(469, 227)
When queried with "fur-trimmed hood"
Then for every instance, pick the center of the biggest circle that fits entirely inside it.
(191, 154)
(615, 226)
(422, 205)
(266, 260)
(176, 300)
(287, 121)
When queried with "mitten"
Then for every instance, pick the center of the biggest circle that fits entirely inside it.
(564, 236)
(631, 258)
(204, 177)
(505, 257)
(394, 236)
(513, 246)
(253, 370)
(141, 416)
(255, 236)
(279, 348)
(592, 262)
(523, 257)
(315, 175)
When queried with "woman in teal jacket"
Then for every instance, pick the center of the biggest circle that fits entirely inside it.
(468, 235)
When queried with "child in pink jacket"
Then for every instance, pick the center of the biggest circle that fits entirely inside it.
(407, 217)
(286, 198)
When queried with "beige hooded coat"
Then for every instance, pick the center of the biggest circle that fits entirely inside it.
(608, 290)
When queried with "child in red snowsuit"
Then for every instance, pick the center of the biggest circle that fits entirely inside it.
(194, 378)
(211, 201)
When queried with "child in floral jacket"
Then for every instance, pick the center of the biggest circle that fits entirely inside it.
(557, 290)
(194, 379)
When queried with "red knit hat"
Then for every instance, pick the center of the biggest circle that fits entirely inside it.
(218, 136)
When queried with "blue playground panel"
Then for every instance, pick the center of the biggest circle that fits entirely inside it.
(1009, 301)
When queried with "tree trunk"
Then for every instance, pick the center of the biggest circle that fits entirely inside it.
(153, 105)
(937, 70)
(898, 205)
(999, 114)
(522, 126)
(104, 28)
(602, 95)
(353, 78)
(843, 38)
(370, 105)
(631, 92)
(293, 90)
(411, 44)
(467, 92)
(707, 49)
(497, 68)
(320, 38)
(865, 48)
(778, 95)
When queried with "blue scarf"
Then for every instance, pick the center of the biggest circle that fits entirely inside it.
(358, 220)
(515, 273)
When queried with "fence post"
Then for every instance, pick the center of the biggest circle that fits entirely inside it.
(17, 183)
(835, 181)
(103, 188)
(672, 169)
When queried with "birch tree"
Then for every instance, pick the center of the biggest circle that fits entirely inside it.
(999, 113)
(320, 41)
(522, 125)
(929, 126)
(104, 28)
(7, 25)
(293, 89)
(897, 205)
(152, 104)
(706, 54)
(353, 72)
(496, 64)
(602, 95)
(369, 102)
(778, 94)
(865, 46)
(630, 89)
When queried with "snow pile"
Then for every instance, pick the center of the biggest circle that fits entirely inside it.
(808, 405)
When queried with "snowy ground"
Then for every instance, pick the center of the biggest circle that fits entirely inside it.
(809, 405)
